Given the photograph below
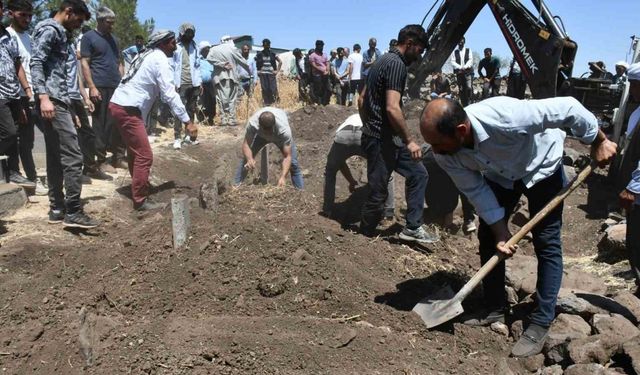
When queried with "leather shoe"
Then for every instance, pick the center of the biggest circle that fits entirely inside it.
(121, 164)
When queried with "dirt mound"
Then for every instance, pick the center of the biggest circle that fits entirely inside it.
(315, 123)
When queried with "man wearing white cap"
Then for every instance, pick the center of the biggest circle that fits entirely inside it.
(621, 73)
(630, 196)
(224, 58)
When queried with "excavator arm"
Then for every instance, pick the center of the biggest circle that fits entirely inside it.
(541, 48)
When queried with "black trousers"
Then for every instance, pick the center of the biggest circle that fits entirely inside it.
(9, 114)
(321, 90)
(107, 137)
(86, 135)
(208, 102)
(189, 96)
(384, 157)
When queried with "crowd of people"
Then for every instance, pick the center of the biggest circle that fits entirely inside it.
(488, 153)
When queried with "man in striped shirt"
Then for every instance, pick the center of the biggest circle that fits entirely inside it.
(386, 140)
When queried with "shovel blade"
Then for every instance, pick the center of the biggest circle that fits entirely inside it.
(435, 311)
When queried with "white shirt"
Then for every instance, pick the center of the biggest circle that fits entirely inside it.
(354, 121)
(24, 48)
(634, 119)
(355, 59)
(463, 64)
(154, 79)
(514, 140)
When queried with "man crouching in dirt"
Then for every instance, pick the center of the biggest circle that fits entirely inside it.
(148, 78)
(270, 125)
(495, 151)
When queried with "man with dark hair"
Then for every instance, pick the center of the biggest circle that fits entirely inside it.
(462, 63)
(102, 70)
(149, 79)
(387, 141)
(495, 151)
(370, 57)
(491, 77)
(20, 12)
(355, 60)
(301, 76)
(51, 48)
(341, 72)
(320, 71)
(131, 52)
(247, 77)
(269, 125)
(268, 66)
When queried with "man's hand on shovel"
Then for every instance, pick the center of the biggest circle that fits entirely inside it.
(502, 235)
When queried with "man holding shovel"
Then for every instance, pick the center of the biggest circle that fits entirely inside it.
(495, 151)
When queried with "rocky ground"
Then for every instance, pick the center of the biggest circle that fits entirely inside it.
(265, 285)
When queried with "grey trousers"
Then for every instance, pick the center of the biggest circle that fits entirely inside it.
(226, 99)
(64, 160)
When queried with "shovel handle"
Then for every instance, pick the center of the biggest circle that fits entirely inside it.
(499, 257)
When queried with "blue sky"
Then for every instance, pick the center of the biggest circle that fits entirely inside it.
(602, 29)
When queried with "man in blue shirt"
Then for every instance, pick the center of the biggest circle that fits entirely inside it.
(131, 52)
(208, 97)
(495, 151)
(630, 196)
(341, 71)
(369, 57)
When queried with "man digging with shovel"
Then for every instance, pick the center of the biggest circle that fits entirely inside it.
(495, 151)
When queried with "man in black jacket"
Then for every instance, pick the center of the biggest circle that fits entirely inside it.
(268, 66)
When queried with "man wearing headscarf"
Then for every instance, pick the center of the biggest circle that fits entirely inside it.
(224, 58)
(186, 76)
(621, 73)
(149, 77)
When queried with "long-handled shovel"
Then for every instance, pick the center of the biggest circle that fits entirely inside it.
(435, 312)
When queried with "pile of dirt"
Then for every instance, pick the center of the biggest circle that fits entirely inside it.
(264, 285)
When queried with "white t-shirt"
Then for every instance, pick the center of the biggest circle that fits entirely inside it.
(24, 48)
(355, 59)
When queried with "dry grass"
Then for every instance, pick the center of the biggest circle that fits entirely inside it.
(288, 91)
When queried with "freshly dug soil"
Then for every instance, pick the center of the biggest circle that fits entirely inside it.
(265, 286)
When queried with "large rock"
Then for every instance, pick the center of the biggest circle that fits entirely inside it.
(12, 198)
(612, 247)
(587, 305)
(594, 349)
(552, 370)
(631, 349)
(522, 273)
(615, 325)
(589, 369)
(564, 329)
(208, 196)
(630, 302)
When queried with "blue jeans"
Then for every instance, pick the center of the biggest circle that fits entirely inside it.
(633, 241)
(384, 157)
(338, 155)
(257, 145)
(546, 241)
